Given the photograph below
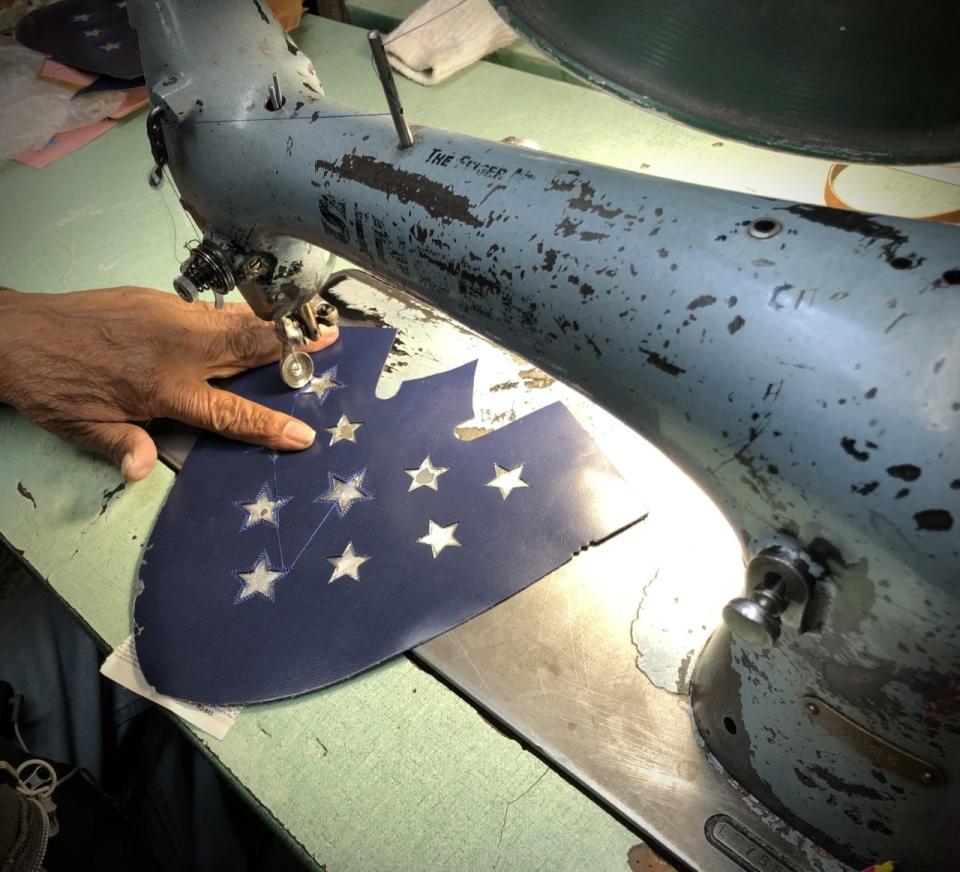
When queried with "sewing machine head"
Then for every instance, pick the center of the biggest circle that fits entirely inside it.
(815, 398)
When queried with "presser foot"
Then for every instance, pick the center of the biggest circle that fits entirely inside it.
(296, 329)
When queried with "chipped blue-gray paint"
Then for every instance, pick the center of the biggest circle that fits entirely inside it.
(788, 375)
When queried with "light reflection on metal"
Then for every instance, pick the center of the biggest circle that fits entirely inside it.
(275, 98)
(789, 389)
(296, 368)
(556, 663)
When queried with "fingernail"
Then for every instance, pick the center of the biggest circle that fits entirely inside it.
(299, 434)
(132, 469)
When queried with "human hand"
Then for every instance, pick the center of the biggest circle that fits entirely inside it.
(85, 365)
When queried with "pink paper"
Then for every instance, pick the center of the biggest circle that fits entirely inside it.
(63, 144)
(75, 79)
(136, 97)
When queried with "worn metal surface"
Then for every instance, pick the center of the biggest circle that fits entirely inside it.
(808, 380)
(881, 754)
(592, 666)
(556, 663)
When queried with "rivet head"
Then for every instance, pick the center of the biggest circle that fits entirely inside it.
(926, 777)
(813, 708)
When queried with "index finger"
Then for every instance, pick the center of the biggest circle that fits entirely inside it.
(231, 415)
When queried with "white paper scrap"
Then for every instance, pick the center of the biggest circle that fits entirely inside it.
(123, 667)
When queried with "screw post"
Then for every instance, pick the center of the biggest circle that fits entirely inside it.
(385, 75)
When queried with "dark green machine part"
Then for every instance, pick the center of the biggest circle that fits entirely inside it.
(875, 82)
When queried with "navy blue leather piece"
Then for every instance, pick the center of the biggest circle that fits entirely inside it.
(91, 35)
(271, 575)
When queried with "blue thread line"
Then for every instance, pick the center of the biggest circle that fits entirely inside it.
(314, 533)
(276, 496)
(425, 23)
(309, 118)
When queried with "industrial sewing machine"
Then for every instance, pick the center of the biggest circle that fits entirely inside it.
(817, 401)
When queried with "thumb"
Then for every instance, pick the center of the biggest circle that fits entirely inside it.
(127, 445)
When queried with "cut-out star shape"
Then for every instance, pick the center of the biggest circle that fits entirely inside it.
(321, 385)
(260, 580)
(345, 431)
(425, 475)
(264, 509)
(84, 17)
(93, 34)
(344, 492)
(347, 564)
(507, 480)
(439, 537)
(110, 46)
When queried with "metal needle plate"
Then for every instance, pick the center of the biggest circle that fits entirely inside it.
(556, 664)
(559, 663)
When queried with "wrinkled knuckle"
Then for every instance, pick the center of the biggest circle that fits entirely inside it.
(266, 423)
(243, 344)
(226, 415)
(186, 402)
(210, 348)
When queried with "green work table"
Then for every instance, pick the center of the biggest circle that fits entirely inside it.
(391, 770)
